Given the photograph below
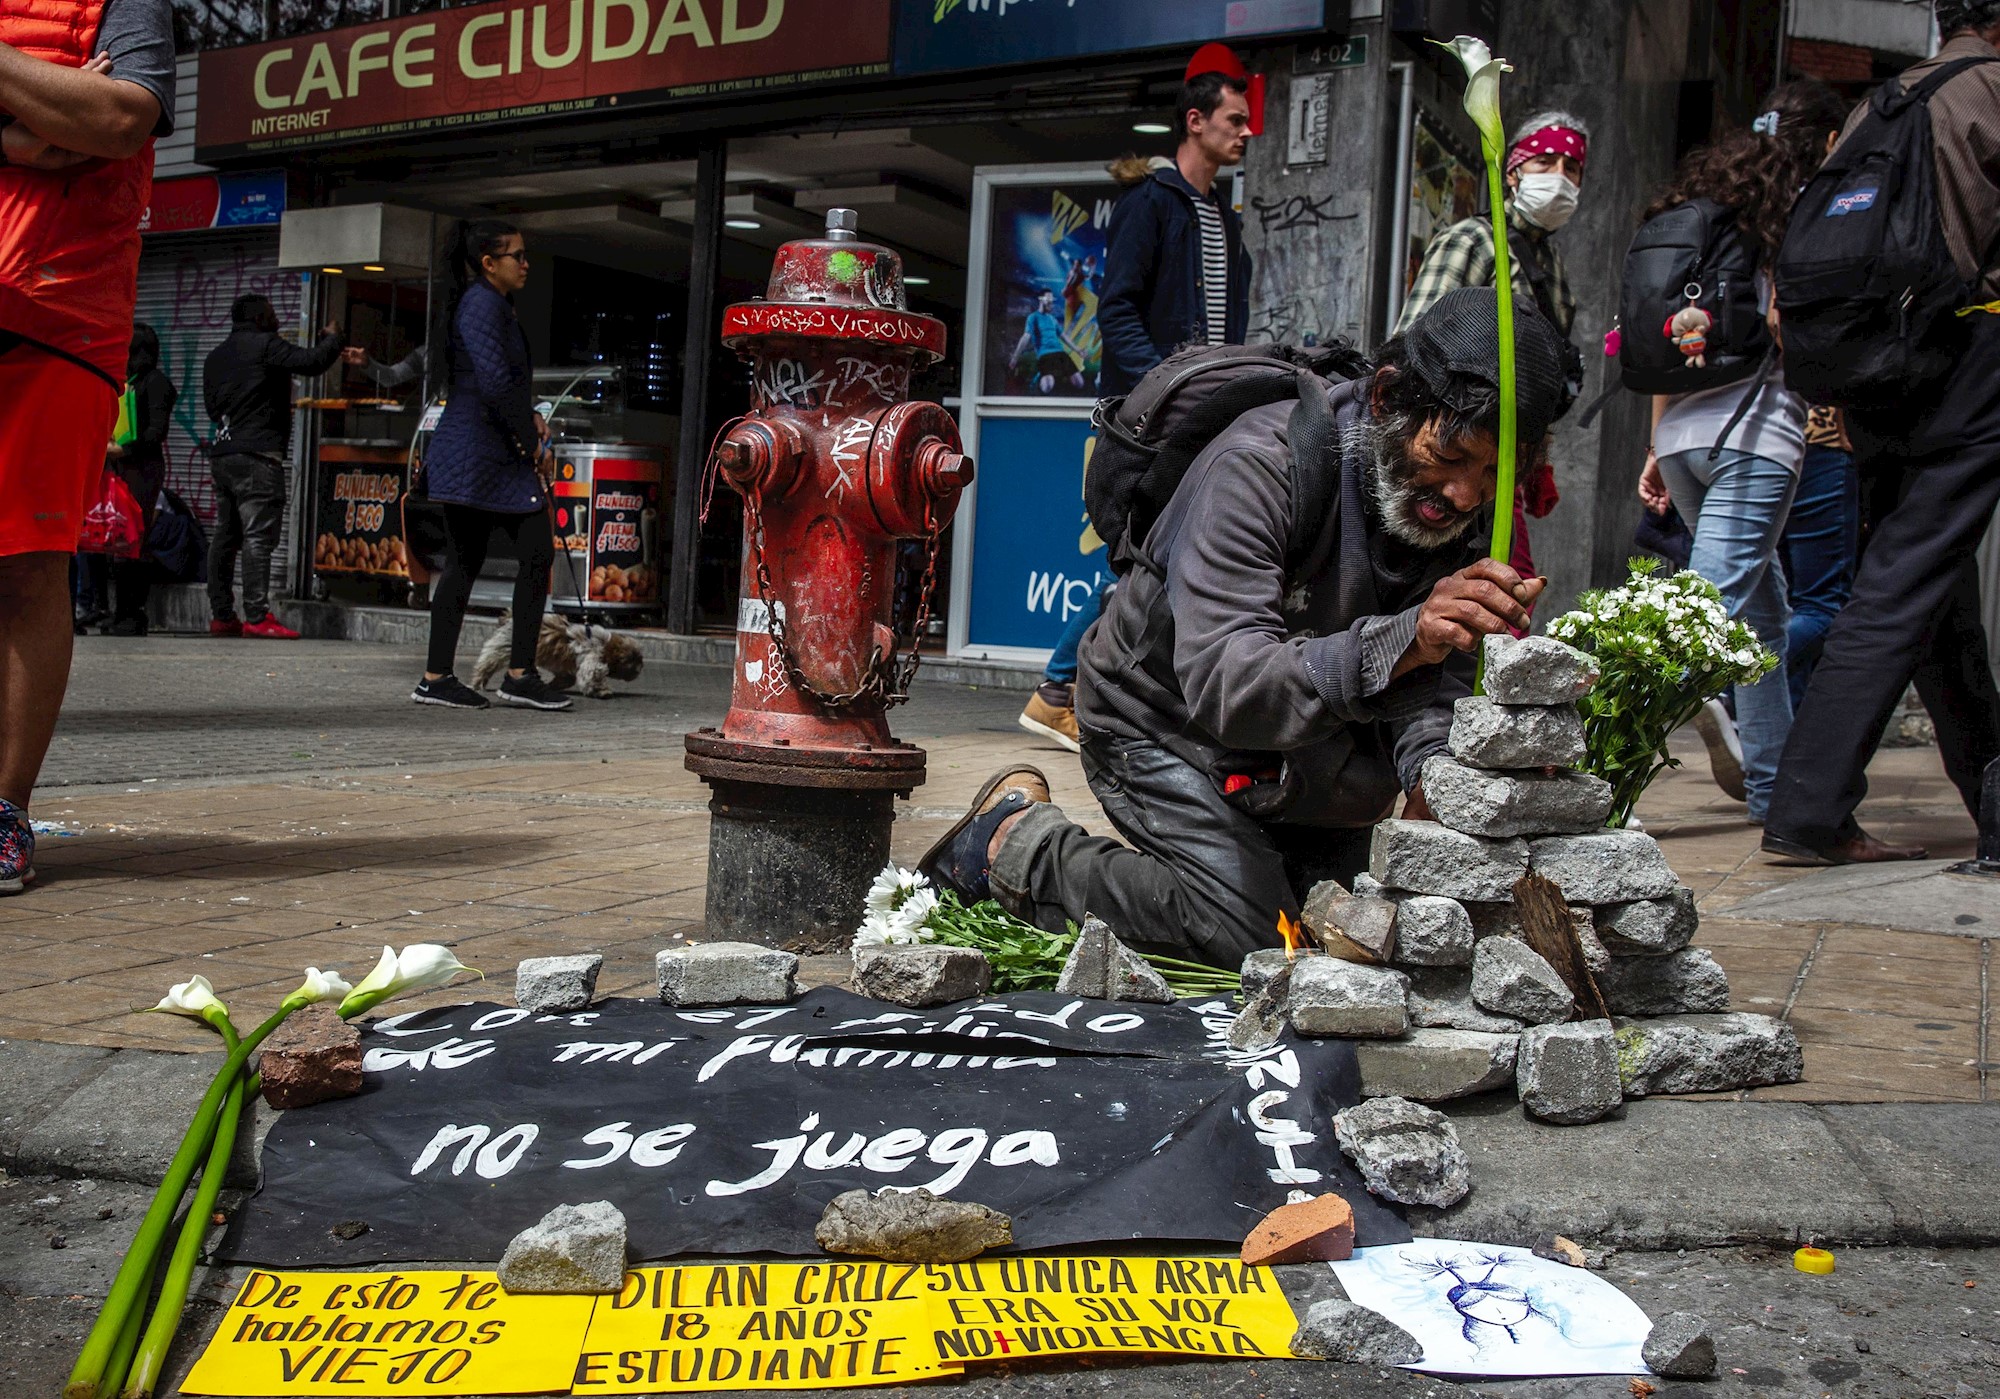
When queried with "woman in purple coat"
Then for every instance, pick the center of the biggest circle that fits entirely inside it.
(485, 466)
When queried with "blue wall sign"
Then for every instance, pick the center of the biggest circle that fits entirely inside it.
(1039, 562)
(941, 36)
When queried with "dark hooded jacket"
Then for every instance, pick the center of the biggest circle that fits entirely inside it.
(1237, 660)
(1153, 300)
(247, 388)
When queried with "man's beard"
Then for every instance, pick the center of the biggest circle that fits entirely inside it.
(1384, 445)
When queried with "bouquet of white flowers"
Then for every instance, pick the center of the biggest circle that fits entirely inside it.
(1665, 646)
(904, 910)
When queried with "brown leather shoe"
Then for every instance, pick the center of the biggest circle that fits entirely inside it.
(1050, 720)
(958, 861)
(1857, 849)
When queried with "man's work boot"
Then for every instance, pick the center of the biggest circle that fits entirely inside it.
(960, 860)
(1051, 712)
(1860, 848)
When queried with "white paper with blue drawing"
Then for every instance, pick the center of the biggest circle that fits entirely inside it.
(1486, 1309)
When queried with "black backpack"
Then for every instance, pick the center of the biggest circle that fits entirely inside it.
(1865, 278)
(1147, 440)
(1690, 255)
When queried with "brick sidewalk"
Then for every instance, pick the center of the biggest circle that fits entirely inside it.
(250, 881)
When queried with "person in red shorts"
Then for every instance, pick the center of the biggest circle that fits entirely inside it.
(85, 86)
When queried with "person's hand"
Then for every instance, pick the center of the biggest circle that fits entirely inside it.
(100, 64)
(1416, 807)
(1653, 487)
(354, 355)
(25, 149)
(545, 467)
(330, 328)
(1468, 606)
(112, 449)
(542, 429)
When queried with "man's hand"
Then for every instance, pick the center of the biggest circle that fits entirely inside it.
(1470, 605)
(1416, 807)
(25, 149)
(354, 355)
(1653, 487)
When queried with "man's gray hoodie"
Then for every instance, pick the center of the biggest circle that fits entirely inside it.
(1213, 648)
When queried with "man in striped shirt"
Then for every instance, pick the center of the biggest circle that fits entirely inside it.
(1175, 274)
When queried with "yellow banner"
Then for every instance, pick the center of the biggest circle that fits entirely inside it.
(390, 1334)
(762, 1326)
(1006, 1308)
(822, 1325)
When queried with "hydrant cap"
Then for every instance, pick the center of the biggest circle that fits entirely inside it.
(838, 270)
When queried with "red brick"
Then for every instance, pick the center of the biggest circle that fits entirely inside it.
(313, 1056)
(1320, 1230)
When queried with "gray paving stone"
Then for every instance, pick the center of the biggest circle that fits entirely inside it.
(1688, 982)
(1706, 1053)
(1432, 1066)
(921, 976)
(1604, 867)
(1511, 978)
(1441, 998)
(572, 1249)
(1423, 857)
(1490, 735)
(1649, 927)
(1568, 1074)
(1330, 996)
(1536, 670)
(1483, 803)
(1334, 1329)
(726, 974)
(553, 984)
(1405, 1151)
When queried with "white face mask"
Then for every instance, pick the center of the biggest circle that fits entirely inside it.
(1546, 200)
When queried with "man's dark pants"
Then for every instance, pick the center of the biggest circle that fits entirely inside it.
(1914, 614)
(249, 513)
(1201, 879)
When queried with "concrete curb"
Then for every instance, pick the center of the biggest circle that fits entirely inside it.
(1660, 1175)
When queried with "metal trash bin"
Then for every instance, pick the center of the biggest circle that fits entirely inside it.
(608, 513)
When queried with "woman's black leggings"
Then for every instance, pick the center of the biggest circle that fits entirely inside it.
(468, 531)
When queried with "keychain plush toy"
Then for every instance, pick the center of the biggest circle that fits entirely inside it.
(1688, 329)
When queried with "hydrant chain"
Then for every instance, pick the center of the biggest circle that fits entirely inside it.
(886, 680)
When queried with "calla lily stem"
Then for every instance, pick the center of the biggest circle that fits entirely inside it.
(152, 1354)
(128, 1288)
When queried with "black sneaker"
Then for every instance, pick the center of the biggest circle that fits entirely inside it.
(532, 691)
(448, 691)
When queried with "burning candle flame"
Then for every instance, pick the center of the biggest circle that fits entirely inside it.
(1293, 934)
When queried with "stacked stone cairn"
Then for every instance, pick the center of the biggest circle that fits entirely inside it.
(1430, 968)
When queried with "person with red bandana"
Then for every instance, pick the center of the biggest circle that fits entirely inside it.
(85, 87)
(1544, 174)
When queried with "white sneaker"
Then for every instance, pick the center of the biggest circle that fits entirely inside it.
(1725, 751)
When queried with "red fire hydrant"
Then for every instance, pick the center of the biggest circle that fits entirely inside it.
(835, 466)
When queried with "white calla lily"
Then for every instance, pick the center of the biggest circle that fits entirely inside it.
(1482, 88)
(419, 967)
(194, 997)
(320, 986)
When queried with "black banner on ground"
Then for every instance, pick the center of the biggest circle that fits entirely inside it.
(727, 1131)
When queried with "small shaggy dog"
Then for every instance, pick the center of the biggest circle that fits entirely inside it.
(566, 654)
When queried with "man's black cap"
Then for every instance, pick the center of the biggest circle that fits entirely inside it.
(1460, 334)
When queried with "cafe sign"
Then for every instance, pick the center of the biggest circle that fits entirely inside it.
(522, 59)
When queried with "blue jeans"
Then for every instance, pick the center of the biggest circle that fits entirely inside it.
(1061, 669)
(1820, 542)
(1737, 505)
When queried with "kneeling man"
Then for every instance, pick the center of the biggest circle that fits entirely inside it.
(1253, 699)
